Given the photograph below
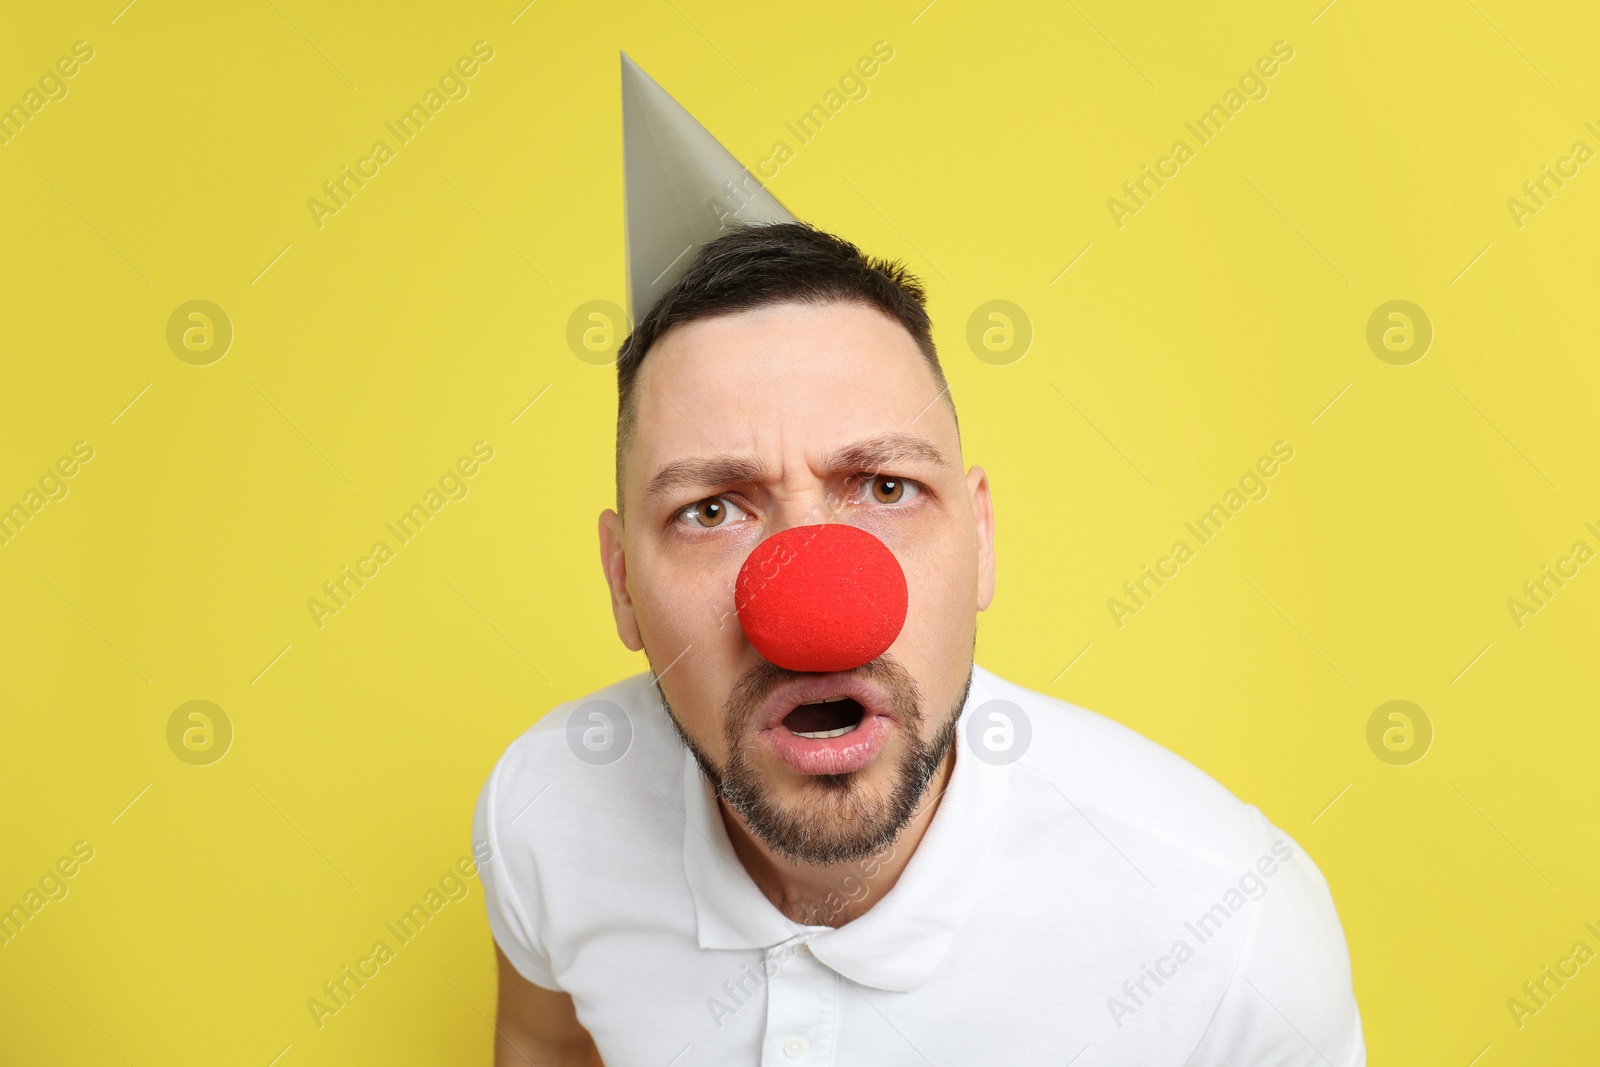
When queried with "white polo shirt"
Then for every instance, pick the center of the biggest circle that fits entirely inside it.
(1081, 896)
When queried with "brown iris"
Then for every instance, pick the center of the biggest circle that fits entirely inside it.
(888, 490)
(710, 512)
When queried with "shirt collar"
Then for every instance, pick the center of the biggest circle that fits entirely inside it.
(900, 941)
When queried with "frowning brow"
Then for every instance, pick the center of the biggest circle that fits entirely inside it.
(701, 471)
(879, 453)
(882, 453)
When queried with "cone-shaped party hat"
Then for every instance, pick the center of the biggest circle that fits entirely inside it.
(682, 188)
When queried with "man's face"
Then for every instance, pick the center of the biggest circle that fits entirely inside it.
(756, 422)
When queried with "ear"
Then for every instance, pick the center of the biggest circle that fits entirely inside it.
(614, 561)
(983, 516)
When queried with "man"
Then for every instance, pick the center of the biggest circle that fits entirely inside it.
(909, 861)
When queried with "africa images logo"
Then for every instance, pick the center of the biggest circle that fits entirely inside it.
(1251, 885)
(452, 85)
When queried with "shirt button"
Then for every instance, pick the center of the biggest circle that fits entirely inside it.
(794, 1046)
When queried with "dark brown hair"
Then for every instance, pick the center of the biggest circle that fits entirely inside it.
(756, 266)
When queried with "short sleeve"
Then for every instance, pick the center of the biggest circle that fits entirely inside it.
(1290, 1001)
(508, 886)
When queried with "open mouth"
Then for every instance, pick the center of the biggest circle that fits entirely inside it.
(829, 717)
(826, 724)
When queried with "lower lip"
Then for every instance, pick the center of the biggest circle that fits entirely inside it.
(830, 755)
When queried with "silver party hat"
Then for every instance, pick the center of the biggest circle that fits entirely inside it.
(681, 186)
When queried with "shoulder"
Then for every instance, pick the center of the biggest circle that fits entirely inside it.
(584, 797)
(621, 724)
(1106, 768)
(1211, 858)
(608, 760)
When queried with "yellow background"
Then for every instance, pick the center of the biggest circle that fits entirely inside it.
(1226, 315)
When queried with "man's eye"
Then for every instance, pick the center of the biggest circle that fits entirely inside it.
(711, 512)
(887, 489)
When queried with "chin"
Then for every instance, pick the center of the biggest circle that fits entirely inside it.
(826, 768)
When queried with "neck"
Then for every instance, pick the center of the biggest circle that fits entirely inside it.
(834, 894)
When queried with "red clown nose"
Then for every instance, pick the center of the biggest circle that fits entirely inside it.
(821, 598)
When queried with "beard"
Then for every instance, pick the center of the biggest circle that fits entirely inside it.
(838, 817)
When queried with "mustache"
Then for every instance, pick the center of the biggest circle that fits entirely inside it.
(758, 683)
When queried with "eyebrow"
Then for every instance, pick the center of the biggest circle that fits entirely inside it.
(885, 450)
(869, 454)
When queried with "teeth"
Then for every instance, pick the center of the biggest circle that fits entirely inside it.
(817, 734)
(831, 700)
